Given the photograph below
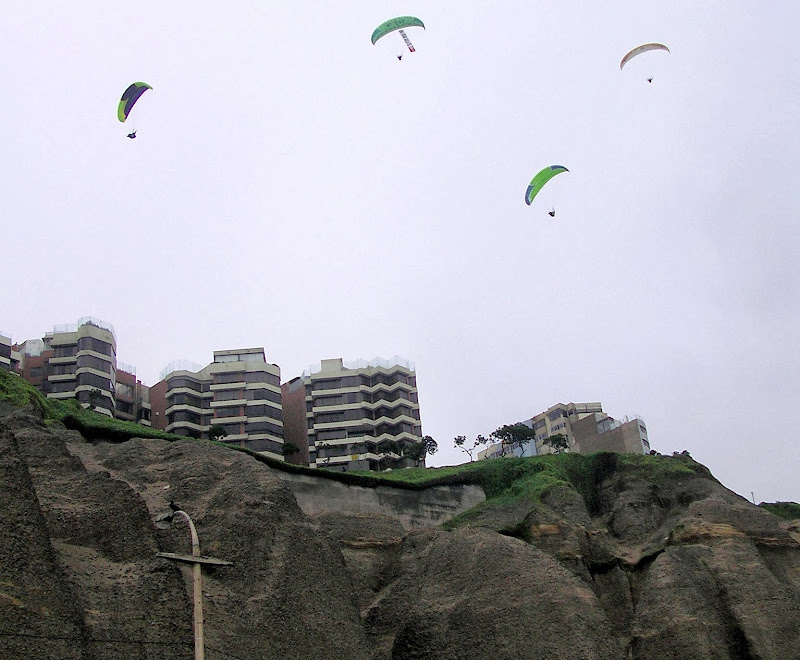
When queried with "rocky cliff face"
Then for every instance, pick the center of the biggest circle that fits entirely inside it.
(636, 563)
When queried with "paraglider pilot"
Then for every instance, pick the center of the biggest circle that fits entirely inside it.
(132, 135)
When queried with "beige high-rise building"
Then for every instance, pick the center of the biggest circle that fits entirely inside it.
(587, 430)
(80, 362)
(5, 350)
(239, 391)
(355, 413)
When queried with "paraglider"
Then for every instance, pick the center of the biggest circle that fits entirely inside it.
(129, 98)
(538, 182)
(638, 51)
(397, 24)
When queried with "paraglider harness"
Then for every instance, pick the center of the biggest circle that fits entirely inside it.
(131, 135)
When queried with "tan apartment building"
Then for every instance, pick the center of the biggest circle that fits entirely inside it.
(239, 391)
(353, 411)
(80, 361)
(74, 361)
(587, 429)
(5, 350)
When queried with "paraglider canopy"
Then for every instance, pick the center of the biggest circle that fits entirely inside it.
(129, 97)
(639, 50)
(394, 24)
(537, 182)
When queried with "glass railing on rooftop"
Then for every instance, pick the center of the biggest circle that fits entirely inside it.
(376, 362)
(180, 365)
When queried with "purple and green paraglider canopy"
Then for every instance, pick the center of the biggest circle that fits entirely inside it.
(129, 97)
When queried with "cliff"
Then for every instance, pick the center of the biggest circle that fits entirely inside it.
(604, 556)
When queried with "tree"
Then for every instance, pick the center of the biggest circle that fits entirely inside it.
(289, 449)
(417, 451)
(217, 432)
(513, 435)
(460, 441)
(94, 396)
(390, 447)
(557, 442)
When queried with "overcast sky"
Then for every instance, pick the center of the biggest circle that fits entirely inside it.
(294, 187)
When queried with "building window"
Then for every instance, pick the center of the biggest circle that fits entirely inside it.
(96, 345)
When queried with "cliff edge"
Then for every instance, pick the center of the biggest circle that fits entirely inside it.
(602, 556)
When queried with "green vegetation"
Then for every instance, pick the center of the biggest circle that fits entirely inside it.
(785, 510)
(217, 432)
(92, 425)
(506, 481)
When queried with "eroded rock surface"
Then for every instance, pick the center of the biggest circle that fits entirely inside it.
(631, 565)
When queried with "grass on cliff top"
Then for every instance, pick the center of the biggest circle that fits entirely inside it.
(509, 479)
(503, 480)
(785, 510)
(92, 425)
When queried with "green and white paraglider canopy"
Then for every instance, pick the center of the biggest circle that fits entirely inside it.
(397, 24)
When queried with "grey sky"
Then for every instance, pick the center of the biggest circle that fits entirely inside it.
(295, 187)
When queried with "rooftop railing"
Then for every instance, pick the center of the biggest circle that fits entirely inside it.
(180, 365)
(86, 320)
(376, 362)
(127, 368)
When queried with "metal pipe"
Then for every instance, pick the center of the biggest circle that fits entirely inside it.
(199, 648)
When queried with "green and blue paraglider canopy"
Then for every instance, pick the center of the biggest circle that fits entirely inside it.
(537, 182)
(129, 98)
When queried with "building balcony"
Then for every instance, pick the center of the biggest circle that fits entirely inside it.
(61, 378)
(238, 385)
(69, 359)
(240, 419)
(186, 407)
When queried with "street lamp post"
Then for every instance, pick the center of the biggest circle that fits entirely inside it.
(164, 521)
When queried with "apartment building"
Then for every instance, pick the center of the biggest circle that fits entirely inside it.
(354, 412)
(132, 397)
(587, 429)
(239, 391)
(5, 350)
(80, 361)
(600, 432)
(74, 361)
